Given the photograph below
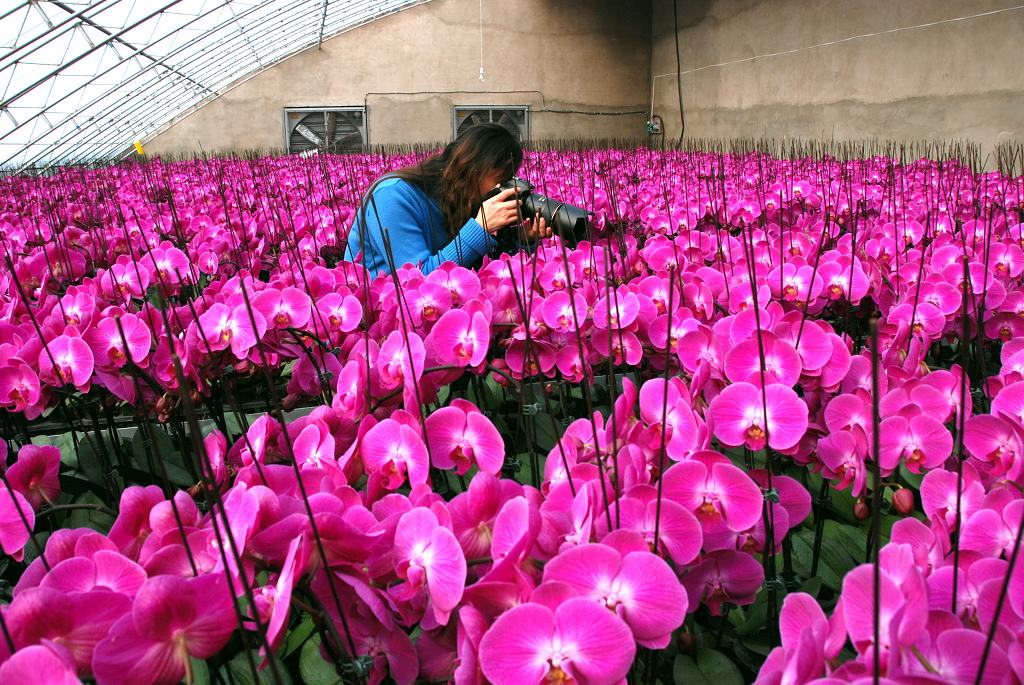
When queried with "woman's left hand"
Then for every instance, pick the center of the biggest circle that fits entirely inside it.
(535, 229)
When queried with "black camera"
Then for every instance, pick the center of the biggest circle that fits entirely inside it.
(569, 222)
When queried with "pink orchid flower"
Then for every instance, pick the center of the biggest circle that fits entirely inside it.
(40, 664)
(393, 451)
(716, 492)
(35, 474)
(921, 442)
(738, 416)
(19, 387)
(108, 346)
(578, 642)
(679, 533)
(460, 339)
(132, 526)
(640, 588)
(67, 360)
(284, 308)
(106, 569)
(395, 365)
(428, 556)
(173, 620)
(460, 436)
(75, 621)
(723, 576)
(223, 327)
(781, 361)
(16, 522)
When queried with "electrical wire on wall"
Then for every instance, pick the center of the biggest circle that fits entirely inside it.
(680, 72)
(838, 41)
(679, 69)
(482, 42)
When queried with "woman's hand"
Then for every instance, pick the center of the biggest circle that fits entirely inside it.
(536, 229)
(499, 211)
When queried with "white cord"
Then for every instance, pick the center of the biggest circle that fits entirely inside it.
(836, 42)
(481, 41)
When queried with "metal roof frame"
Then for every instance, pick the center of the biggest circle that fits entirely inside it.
(81, 80)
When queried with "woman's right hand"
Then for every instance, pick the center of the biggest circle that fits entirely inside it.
(499, 211)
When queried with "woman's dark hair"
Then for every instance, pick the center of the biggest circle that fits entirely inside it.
(452, 178)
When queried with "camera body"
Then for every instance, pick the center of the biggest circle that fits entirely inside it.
(570, 223)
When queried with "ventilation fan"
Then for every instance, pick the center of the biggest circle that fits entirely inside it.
(512, 118)
(328, 130)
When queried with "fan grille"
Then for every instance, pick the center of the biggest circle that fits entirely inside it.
(515, 119)
(327, 130)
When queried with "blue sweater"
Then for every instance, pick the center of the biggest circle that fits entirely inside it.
(416, 230)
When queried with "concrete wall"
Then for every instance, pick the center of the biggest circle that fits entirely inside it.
(588, 55)
(962, 79)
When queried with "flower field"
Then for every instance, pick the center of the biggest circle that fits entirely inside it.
(768, 425)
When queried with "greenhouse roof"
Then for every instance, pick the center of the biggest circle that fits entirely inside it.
(84, 79)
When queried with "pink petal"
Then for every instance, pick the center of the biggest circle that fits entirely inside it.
(787, 416)
(164, 605)
(552, 594)
(445, 428)
(679, 532)
(799, 612)
(585, 567)
(38, 664)
(15, 512)
(934, 439)
(515, 529)
(489, 446)
(741, 498)
(515, 648)
(858, 603)
(446, 571)
(959, 654)
(656, 603)
(127, 658)
(604, 647)
(216, 620)
(731, 413)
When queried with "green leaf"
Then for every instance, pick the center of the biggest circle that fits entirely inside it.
(314, 670)
(89, 463)
(803, 554)
(89, 518)
(66, 444)
(756, 618)
(840, 547)
(146, 451)
(914, 479)
(241, 672)
(756, 645)
(851, 539)
(842, 501)
(710, 668)
(483, 395)
(811, 586)
(200, 672)
(31, 551)
(547, 431)
(297, 637)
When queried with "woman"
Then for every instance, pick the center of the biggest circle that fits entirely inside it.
(434, 212)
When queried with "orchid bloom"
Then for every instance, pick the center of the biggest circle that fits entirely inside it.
(428, 555)
(172, 621)
(580, 641)
(460, 436)
(394, 451)
(638, 587)
(739, 416)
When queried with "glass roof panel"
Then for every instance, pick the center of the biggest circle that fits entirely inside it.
(81, 80)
